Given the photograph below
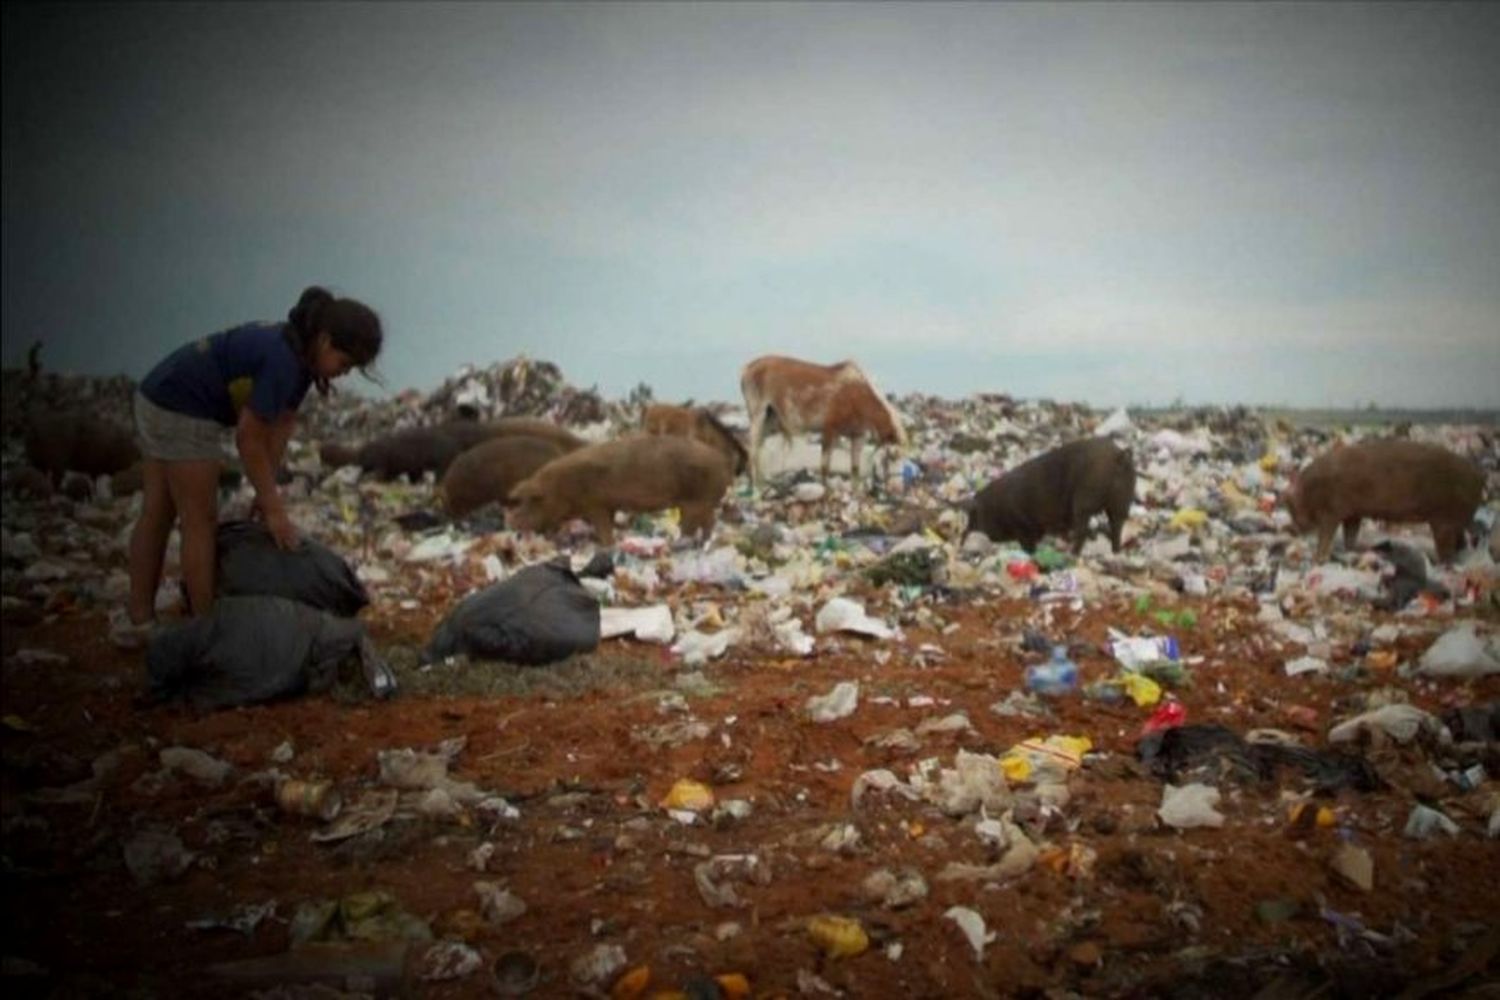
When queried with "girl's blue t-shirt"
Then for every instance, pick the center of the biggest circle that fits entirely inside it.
(215, 377)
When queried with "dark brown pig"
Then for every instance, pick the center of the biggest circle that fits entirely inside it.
(410, 453)
(58, 442)
(488, 472)
(336, 456)
(1056, 492)
(699, 424)
(1389, 479)
(640, 473)
(418, 450)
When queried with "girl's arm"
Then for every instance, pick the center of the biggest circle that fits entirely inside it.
(281, 433)
(257, 443)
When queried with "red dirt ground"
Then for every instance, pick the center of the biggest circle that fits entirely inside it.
(1164, 912)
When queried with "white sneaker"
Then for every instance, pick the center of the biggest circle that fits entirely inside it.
(126, 634)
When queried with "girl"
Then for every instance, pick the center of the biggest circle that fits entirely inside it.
(252, 378)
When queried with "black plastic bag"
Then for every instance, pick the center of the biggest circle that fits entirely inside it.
(249, 563)
(1474, 723)
(1212, 752)
(540, 615)
(254, 649)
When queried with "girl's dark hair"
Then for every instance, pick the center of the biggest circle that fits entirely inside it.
(352, 327)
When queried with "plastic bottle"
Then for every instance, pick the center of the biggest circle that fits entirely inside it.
(1058, 675)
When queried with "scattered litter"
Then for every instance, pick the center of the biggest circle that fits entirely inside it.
(447, 960)
(1355, 866)
(653, 624)
(1424, 821)
(693, 796)
(499, 906)
(836, 704)
(843, 615)
(972, 924)
(196, 764)
(838, 937)
(155, 856)
(1187, 806)
(243, 918)
(1460, 652)
(598, 965)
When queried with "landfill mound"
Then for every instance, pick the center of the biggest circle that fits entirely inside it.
(844, 747)
(520, 387)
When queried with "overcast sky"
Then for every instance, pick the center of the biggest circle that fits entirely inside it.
(1288, 203)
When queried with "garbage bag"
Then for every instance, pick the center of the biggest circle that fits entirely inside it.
(249, 564)
(1474, 723)
(1216, 751)
(539, 615)
(254, 649)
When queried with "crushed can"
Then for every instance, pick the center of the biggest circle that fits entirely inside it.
(317, 799)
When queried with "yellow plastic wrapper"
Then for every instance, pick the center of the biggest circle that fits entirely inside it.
(632, 984)
(1017, 769)
(691, 795)
(733, 985)
(1268, 461)
(1188, 519)
(1051, 754)
(18, 724)
(1141, 689)
(839, 937)
(1322, 818)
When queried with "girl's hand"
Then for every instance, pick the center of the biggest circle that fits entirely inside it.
(282, 530)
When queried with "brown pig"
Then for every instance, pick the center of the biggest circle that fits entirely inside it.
(1389, 479)
(60, 441)
(488, 472)
(699, 424)
(640, 473)
(1059, 490)
(469, 433)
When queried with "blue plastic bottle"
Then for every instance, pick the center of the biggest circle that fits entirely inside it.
(1058, 675)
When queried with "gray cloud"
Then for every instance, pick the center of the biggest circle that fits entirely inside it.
(953, 193)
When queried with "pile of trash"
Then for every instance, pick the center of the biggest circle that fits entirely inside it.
(1208, 678)
(519, 387)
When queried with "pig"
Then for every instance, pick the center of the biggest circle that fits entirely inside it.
(1389, 479)
(336, 456)
(418, 450)
(638, 473)
(411, 453)
(699, 424)
(470, 433)
(61, 441)
(488, 472)
(1059, 490)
